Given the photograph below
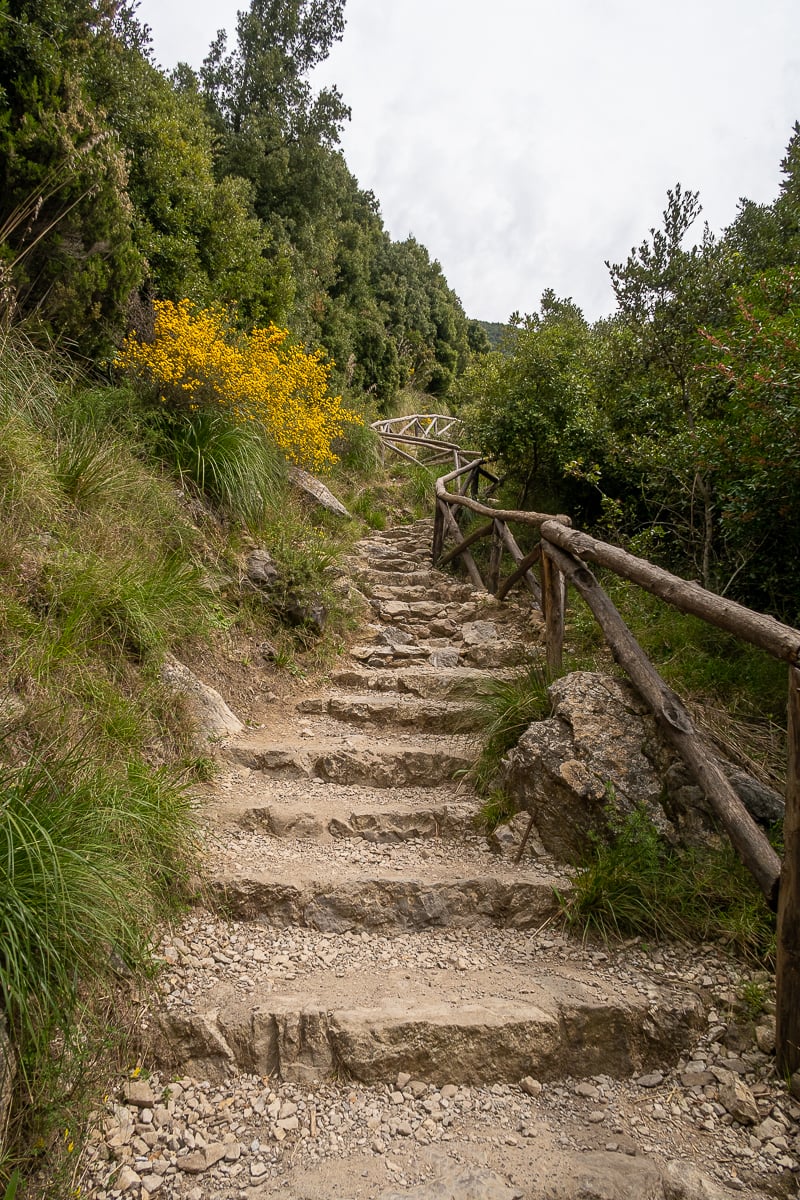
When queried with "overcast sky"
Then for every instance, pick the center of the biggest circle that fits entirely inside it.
(524, 143)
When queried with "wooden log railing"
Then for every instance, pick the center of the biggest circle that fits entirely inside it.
(561, 554)
(427, 439)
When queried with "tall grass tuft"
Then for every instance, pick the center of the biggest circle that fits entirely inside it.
(507, 707)
(637, 884)
(82, 859)
(235, 466)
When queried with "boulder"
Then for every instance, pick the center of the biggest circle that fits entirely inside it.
(260, 570)
(602, 748)
(600, 745)
(305, 612)
(212, 717)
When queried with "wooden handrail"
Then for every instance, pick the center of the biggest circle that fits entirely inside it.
(561, 553)
(779, 640)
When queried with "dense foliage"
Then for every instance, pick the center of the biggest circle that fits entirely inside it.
(196, 362)
(121, 184)
(673, 424)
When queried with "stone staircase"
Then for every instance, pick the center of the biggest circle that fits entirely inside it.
(368, 1003)
(346, 819)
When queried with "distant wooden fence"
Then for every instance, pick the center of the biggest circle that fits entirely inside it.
(429, 439)
(561, 554)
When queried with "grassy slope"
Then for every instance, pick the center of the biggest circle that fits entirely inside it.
(121, 539)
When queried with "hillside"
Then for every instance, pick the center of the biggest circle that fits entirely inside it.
(198, 305)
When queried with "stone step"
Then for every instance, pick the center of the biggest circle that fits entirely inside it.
(332, 812)
(379, 655)
(411, 578)
(434, 716)
(491, 1025)
(433, 634)
(431, 589)
(415, 610)
(455, 683)
(357, 758)
(401, 539)
(349, 884)
(375, 568)
(440, 654)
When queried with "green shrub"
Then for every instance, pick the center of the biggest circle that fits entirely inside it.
(637, 884)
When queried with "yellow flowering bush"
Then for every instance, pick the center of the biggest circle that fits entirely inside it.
(198, 361)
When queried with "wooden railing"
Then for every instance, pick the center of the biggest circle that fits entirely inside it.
(429, 439)
(561, 554)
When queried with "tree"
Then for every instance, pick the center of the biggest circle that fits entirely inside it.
(271, 123)
(533, 410)
(198, 236)
(665, 292)
(67, 249)
(754, 446)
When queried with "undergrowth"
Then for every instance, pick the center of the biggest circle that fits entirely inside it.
(636, 884)
(506, 708)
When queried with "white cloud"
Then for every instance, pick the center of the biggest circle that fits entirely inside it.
(525, 143)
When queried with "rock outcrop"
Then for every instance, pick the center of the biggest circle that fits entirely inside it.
(601, 752)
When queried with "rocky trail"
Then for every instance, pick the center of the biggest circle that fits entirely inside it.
(371, 1000)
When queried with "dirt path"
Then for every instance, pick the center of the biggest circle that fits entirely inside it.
(371, 1003)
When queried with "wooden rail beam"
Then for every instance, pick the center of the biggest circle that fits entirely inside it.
(525, 573)
(753, 847)
(787, 966)
(438, 532)
(481, 532)
(523, 570)
(495, 557)
(777, 639)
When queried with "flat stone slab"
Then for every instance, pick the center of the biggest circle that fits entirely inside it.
(387, 763)
(317, 490)
(497, 1025)
(405, 712)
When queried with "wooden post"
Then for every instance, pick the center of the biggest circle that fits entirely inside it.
(438, 532)
(495, 556)
(475, 479)
(674, 721)
(787, 971)
(553, 603)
